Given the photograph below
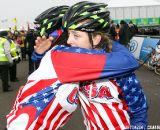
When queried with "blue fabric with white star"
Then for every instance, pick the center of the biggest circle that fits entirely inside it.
(42, 98)
(136, 101)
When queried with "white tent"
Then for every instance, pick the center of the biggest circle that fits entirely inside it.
(133, 9)
(132, 3)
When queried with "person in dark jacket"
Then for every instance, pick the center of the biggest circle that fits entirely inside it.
(112, 30)
(133, 29)
(124, 33)
(30, 42)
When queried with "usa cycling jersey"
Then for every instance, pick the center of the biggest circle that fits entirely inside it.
(113, 104)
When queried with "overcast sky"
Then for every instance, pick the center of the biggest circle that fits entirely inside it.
(27, 10)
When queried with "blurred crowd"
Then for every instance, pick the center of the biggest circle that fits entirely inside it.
(123, 32)
(15, 46)
(149, 30)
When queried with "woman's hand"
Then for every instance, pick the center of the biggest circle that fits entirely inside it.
(42, 44)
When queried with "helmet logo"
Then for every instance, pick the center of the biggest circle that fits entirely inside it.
(88, 29)
(100, 11)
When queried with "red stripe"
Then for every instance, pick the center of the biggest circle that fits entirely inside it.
(91, 127)
(67, 118)
(111, 116)
(121, 115)
(30, 111)
(118, 89)
(125, 107)
(84, 114)
(54, 113)
(88, 119)
(59, 119)
(29, 81)
(37, 87)
(69, 66)
(17, 97)
(100, 118)
(15, 103)
(59, 32)
(42, 116)
(91, 116)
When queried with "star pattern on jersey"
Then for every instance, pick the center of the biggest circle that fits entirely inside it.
(41, 99)
(133, 94)
(62, 48)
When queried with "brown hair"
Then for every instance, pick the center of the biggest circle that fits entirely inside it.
(105, 42)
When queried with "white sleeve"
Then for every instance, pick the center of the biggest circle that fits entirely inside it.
(45, 69)
(7, 51)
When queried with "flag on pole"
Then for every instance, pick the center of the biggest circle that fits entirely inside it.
(14, 20)
(15, 28)
(28, 26)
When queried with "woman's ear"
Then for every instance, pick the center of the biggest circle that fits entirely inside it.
(97, 39)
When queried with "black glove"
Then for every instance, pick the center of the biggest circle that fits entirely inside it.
(16, 61)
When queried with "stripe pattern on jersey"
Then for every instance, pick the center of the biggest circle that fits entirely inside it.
(104, 116)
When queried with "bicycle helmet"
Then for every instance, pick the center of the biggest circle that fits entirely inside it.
(87, 16)
(51, 19)
(41, 16)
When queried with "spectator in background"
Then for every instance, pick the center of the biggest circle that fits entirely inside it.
(30, 43)
(22, 44)
(18, 39)
(13, 68)
(117, 29)
(124, 33)
(112, 30)
(6, 60)
(133, 29)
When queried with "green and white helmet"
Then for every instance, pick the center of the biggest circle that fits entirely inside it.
(51, 19)
(87, 16)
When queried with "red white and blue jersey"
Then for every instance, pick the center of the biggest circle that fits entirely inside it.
(113, 104)
(101, 106)
(48, 98)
